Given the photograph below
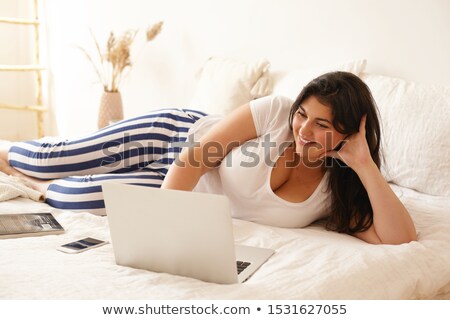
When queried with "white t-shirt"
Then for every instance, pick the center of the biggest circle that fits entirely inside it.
(244, 174)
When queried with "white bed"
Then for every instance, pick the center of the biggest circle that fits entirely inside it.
(309, 263)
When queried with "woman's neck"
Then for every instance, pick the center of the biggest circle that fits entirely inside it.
(305, 169)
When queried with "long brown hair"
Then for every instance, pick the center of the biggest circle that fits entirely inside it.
(350, 99)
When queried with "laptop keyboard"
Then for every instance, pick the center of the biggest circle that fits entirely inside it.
(241, 266)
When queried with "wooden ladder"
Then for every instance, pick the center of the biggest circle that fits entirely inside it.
(38, 107)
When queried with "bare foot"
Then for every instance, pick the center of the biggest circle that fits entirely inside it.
(33, 183)
(5, 167)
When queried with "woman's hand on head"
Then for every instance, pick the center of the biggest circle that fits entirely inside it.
(354, 151)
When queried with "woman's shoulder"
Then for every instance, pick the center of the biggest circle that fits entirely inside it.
(270, 113)
(271, 107)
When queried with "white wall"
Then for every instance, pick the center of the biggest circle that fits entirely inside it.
(15, 87)
(401, 38)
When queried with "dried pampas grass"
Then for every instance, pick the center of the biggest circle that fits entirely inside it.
(117, 56)
(154, 30)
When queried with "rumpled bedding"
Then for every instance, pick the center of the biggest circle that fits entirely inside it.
(13, 187)
(309, 263)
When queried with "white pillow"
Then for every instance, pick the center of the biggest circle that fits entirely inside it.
(415, 122)
(225, 84)
(289, 83)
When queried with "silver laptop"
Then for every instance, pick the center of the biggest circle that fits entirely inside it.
(178, 232)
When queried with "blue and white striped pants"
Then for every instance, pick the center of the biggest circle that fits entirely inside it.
(133, 151)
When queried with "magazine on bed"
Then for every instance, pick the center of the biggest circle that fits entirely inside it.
(28, 225)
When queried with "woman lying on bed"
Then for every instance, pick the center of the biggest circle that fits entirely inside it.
(281, 162)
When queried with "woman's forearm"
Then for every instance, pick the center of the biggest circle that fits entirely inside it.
(185, 172)
(391, 220)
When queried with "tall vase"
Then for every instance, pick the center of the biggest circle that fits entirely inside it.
(111, 109)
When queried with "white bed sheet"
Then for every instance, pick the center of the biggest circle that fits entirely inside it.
(309, 263)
